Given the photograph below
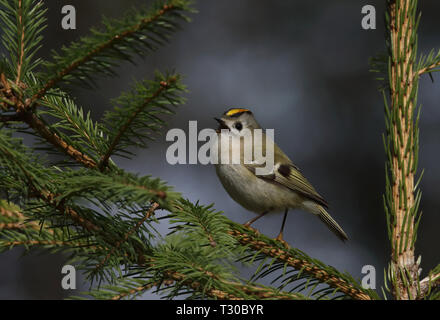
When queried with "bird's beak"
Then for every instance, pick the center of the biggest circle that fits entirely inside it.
(222, 124)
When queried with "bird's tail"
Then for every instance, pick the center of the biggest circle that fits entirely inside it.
(331, 223)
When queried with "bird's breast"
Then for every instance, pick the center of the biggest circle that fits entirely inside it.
(254, 193)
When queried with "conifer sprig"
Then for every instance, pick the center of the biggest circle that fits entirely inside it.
(22, 22)
(106, 217)
(139, 31)
(72, 124)
(400, 70)
(429, 63)
(137, 114)
(304, 267)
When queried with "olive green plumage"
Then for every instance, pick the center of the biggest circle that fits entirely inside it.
(283, 188)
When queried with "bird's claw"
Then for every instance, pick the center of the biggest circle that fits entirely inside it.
(283, 242)
(252, 229)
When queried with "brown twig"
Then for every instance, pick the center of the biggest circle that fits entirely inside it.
(8, 94)
(10, 213)
(428, 68)
(21, 48)
(19, 220)
(12, 225)
(38, 125)
(172, 277)
(133, 291)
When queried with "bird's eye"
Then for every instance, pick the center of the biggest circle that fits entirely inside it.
(238, 126)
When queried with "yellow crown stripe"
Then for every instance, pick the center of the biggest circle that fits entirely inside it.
(235, 111)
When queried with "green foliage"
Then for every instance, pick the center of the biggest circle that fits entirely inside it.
(399, 71)
(204, 224)
(21, 23)
(292, 270)
(139, 31)
(429, 63)
(395, 110)
(105, 218)
(434, 288)
(137, 113)
(22, 170)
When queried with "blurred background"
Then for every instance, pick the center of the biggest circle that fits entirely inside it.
(302, 68)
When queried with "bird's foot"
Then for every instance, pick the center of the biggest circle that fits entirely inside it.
(283, 242)
(248, 226)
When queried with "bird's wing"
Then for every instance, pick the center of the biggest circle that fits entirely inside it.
(288, 175)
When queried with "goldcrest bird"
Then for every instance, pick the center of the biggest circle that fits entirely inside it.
(282, 189)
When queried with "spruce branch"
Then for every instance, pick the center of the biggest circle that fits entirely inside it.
(21, 230)
(124, 292)
(130, 123)
(429, 283)
(25, 166)
(430, 63)
(139, 31)
(188, 267)
(21, 28)
(136, 115)
(299, 261)
(147, 215)
(28, 243)
(11, 218)
(248, 291)
(12, 225)
(185, 263)
(201, 222)
(78, 129)
(11, 94)
(130, 287)
(36, 123)
(401, 145)
(22, 22)
(121, 188)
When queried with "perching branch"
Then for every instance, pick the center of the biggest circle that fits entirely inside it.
(292, 258)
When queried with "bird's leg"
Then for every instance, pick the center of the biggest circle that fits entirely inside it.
(248, 224)
(280, 235)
